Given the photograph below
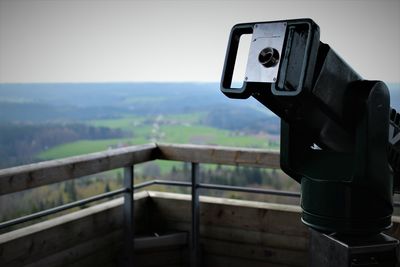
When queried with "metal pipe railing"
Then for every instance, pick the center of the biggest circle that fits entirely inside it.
(195, 237)
(120, 191)
(54, 210)
(128, 208)
(250, 190)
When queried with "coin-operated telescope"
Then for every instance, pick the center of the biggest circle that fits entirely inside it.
(334, 135)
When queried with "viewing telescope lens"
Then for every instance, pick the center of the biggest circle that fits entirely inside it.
(268, 57)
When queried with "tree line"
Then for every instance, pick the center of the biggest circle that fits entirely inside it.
(20, 142)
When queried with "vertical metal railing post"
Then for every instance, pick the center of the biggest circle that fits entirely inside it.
(128, 216)
(195, 241)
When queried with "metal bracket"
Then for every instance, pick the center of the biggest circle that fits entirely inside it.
(265, 35)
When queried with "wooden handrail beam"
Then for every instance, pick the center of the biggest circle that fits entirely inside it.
(219, 155)
(33, 175)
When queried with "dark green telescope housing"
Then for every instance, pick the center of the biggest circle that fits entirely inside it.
(334, 124)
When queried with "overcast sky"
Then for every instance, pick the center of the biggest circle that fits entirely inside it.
(97, 41)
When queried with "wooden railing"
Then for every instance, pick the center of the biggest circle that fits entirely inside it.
(38, 174)
(30, 176)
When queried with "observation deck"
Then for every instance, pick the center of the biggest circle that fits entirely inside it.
(156, 228)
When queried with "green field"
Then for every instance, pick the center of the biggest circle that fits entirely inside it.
(173, 134)
(82, 147)
(180, 129)
(130, 121)
(123, 123)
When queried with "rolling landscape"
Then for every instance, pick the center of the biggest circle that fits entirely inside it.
(51, 121)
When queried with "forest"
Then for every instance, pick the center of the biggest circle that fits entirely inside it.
(21, 142)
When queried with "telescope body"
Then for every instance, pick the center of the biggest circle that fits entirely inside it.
(334, 124)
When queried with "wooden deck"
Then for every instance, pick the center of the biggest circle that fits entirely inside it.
(232, 232)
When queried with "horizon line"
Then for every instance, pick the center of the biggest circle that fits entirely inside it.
(131, 82)
(107, 82)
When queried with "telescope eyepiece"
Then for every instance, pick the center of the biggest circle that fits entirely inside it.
(268, 57)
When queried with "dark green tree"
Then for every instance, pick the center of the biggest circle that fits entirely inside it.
(107, 187)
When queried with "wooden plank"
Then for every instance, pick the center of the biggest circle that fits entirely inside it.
(170, 256)
(29, 176)
(33, 247)
(219, 155)
(255, 253)
(158, 241)
(106, 257)
(226, 201)
(236, 235)
(212, 260)
(68, 256)
(32, 243)
(238, 214)
(106, 251)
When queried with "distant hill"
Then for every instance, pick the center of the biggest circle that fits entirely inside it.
(71, 101)
(111, 94)
(101, 100)
(123, 94)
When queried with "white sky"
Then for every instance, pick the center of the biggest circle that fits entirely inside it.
(97, 41)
